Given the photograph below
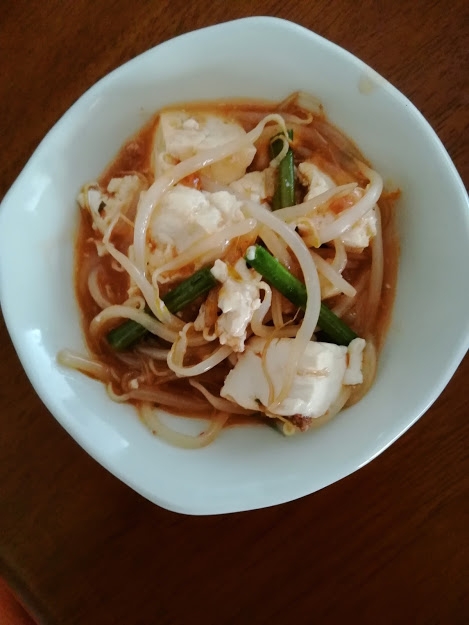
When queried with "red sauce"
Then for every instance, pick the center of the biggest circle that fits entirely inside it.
(313, 142)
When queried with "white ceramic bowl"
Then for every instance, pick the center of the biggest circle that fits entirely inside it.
(247, 467)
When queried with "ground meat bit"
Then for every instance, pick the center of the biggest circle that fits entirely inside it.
(299, 421)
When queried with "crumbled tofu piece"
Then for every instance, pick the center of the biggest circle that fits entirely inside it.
(360, 234)
(190, 124)
(238, 299)
(353, 373)
(181, 135)
(254, 185)
(317, 383)
(316, 180)
(186, 215)
(120, 197)
(94, 196)
(220, 271)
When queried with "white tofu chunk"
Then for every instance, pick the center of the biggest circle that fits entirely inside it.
(316, 180)
(359, 235)
(186, 215)
(238, 299)
(317, 383)
(181, 135)
(353, 373)
(253, 185)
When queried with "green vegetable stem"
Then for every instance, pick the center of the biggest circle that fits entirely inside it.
(129, 332)
(281, 279)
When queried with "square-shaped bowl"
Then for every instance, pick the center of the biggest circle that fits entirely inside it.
(245, 468)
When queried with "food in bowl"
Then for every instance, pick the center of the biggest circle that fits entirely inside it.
(248, 467)
(237, 260)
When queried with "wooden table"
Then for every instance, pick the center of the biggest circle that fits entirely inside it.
(389, 544)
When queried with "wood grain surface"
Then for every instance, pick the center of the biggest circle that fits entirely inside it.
(389, 544)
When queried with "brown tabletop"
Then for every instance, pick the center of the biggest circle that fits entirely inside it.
(389, 544)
